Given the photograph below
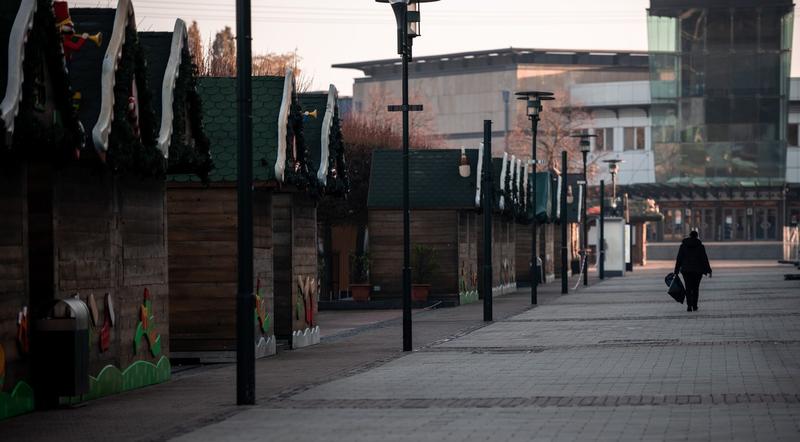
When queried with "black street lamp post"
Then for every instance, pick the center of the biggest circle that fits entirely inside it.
(564, 221)
(408, 27)
(601, 242)
(534, 107)
(585, 145)
(613, 169)
(245, 338)
(488, 210)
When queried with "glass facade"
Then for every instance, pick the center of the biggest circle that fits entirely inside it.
(720, 89)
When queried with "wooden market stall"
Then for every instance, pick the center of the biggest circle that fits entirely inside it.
(203, 223)
(93, 210)
(445, 226)
(39, 131)
(545, 216)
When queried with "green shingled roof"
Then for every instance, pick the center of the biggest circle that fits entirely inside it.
(434, 177)
(220, 113)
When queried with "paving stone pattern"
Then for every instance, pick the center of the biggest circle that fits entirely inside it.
(617, 361)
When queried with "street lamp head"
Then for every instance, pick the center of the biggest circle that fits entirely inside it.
(463, 165)
(584, 143)
(411, 9)
(534, 100)
(613, 165)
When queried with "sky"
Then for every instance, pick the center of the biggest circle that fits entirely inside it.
(326, 32)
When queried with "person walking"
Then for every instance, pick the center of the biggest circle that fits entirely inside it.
(692, 263)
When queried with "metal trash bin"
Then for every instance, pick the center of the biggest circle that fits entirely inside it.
(62, 346)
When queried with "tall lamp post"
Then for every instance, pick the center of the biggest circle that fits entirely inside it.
(585, 144)
(533, 107)
(613, 169)
(407, 14)
(564, 221)
(245, 338)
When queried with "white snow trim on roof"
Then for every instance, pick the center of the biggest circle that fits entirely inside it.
(527, 175)
(478, 177)
(122, 19)
(23, 23)
(558, 199)
(512, 181)
(325, 142)
(168, 86)
(283, 121)
(503, 171)
(517, 197)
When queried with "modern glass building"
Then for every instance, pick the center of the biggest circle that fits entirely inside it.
(720, 90)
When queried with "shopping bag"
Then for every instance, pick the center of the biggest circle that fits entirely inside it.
(676, 289)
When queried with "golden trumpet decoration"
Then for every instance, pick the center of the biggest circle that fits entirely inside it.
(313, 114)
(96, 38)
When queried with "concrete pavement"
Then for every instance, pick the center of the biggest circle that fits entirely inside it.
(619, 361)
(353, 342)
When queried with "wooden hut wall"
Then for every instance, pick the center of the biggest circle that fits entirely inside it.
(202, 268)
(262, 250)
(282, 250)
(468, 247)
(304, 259)
(504, 250)
(110, 237)
(294, 218)
(143, 230)
(202, 265)
(13, 266)
(446, 231)
(523, 254)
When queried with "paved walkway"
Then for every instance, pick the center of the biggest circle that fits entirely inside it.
(352, 342)
(616, 362)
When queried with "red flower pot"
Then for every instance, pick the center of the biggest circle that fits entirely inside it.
(360, 292)
(420, 292)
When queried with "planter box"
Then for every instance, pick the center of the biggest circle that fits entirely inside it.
(420, 292)
(360, 292)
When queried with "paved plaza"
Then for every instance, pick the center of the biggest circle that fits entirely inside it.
(617, 361)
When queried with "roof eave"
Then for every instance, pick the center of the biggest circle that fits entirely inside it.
(123, 18)
(23, 23)
(179, 37)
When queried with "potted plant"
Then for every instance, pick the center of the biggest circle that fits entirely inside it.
(424, 265)
(359, 278)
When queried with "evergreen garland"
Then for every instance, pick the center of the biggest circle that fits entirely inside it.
(524, 217)
(64, 133)
(338, 183)
(298, 170)
(127, 152)
(188, 152)
(507, 193)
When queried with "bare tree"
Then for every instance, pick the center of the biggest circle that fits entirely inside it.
(219, 58)
(421, 124)
(222, 54)
(276, 64)
(556, 127)
(196, 47)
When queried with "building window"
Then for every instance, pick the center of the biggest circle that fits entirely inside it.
(791, 134)
(605, 139)
(633, 138)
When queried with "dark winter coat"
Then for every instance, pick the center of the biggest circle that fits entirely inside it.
(692, 257)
